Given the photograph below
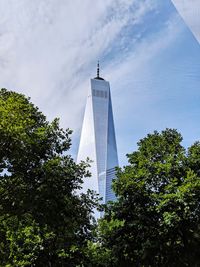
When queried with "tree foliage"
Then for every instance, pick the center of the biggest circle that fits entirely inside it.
(43, 220)
(156, 220)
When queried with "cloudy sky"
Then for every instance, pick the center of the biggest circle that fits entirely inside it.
(148, 51)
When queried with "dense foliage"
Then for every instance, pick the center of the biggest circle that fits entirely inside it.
(156, 220)
(43, 221)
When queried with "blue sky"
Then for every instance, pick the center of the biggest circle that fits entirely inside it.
(148, 53)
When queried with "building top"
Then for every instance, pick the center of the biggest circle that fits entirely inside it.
(98, 77)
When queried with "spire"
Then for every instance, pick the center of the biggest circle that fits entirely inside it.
(98, 69)
(98, 77)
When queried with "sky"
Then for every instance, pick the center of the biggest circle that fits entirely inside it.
(149, 51)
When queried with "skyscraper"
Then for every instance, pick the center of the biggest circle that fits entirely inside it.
(98, 139)
(190, 12)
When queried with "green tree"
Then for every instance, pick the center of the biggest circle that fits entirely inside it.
(156, 220)
(43, 220)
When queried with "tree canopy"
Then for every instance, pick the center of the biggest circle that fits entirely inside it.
(156, 220)
(46, 221)
(43, 220)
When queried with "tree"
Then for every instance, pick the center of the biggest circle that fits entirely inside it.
(156, 219)
(43, 220)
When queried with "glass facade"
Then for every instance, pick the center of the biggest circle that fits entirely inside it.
(98, 140)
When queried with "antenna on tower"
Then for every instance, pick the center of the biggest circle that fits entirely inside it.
(98, 77)
(98, 69)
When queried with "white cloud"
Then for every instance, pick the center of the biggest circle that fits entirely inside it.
(145, 50)
(47, 48)
(134, 88)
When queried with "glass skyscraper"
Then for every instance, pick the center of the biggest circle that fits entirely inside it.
(98, 140)
(190, 12)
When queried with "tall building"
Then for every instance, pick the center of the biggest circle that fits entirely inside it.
(190, 12)
(98, 139)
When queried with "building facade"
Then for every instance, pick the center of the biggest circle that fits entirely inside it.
(98, 140)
